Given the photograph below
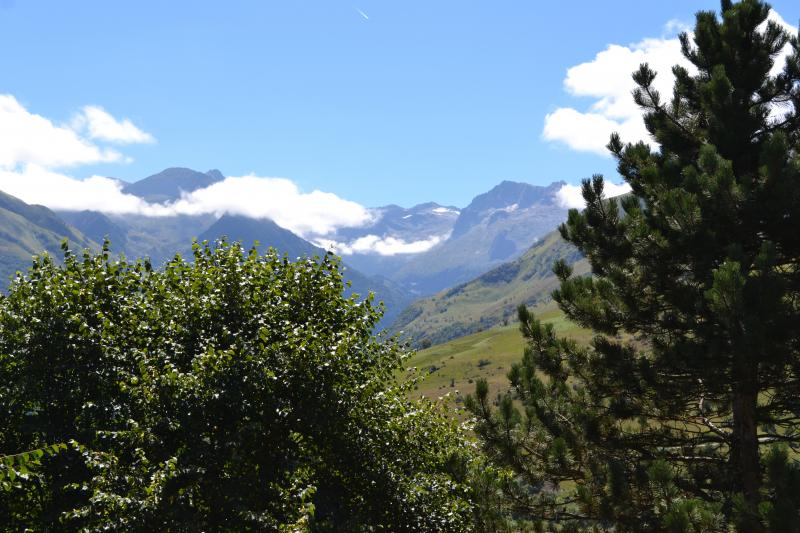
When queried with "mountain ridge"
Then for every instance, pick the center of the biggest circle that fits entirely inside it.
(170, 183)
(27, 230)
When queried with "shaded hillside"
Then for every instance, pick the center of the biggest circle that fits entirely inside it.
(159, 238)
(27, 230)
(38, 215)
(249, 230)
(96, 226)
(493, 297)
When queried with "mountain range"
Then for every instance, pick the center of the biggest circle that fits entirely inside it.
(495, 227)
(427, 248)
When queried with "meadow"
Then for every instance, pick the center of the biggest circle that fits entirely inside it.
(452, 367)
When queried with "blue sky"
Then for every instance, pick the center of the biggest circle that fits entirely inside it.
(376, 101)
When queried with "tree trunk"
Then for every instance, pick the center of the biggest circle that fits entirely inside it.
(744, 453)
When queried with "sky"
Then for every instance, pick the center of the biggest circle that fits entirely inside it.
(337, 105)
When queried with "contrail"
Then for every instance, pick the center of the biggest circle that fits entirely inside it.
(362, 14)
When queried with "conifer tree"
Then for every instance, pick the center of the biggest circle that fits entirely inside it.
(683, 413)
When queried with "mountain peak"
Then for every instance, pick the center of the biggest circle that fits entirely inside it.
(170, 183)
(215, 174)
(505, 195)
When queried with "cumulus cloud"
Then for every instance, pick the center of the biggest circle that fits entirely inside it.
(606, 80)
(313, 213)
(569, 196)
(35, 184)
(373, 244)
(27, 138)
(102, 126)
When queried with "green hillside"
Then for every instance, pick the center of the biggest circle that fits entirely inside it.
(454, 366)
(490, 299)
(28, 230)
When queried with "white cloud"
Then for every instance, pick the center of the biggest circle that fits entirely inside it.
(569, 196)
(314, 213)
(607, 81)
(35, 184)
(373, 244)
(28, 138)
(102, 126)
(307, 214)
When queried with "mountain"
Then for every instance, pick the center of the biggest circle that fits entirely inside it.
(454, 245)
(492, 297)
(249, 230)
(96, 226)
(503, 200)
(158, 238)
(395, 299)
(38, 215)
(408, 224)
(416, 224)
(167, 185)
(496, 226)
(27, 230)
(421, 250)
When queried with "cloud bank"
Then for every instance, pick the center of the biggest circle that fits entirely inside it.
(606, 80)
(373, 244)
(313, 213)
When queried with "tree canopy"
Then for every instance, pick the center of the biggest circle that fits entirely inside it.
(683, 413)
(235, 392)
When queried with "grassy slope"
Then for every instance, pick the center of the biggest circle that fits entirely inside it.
(27, 230)
(492, 298)
(457, 361)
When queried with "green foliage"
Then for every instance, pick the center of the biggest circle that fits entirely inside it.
(670, 419)
(233, 392)
(17, 468)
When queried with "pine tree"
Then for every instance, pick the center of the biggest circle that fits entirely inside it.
(683, 413)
